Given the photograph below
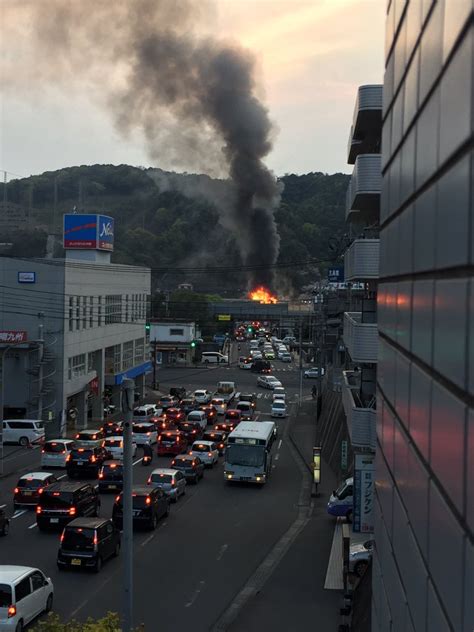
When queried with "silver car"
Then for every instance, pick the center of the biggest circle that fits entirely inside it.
(268, 381)
(359, 557)
(172, 482)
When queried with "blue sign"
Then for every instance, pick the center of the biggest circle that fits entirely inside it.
(336, 274)
(26, 277)
(105, 236)
(88, 232)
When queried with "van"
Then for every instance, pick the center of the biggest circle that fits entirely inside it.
(87, 542)
(198, 416)
(26, 593)
(145, 413)
(341, 500)
(144, 433)
(246, 410)
(214, 357)
(23, 431)
(55, 452)
(62, 502)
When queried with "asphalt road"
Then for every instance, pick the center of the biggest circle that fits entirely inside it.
(190, 569)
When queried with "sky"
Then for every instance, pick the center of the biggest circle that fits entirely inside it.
(311, 57)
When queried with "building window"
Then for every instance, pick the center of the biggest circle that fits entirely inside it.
(99, 311)
(76, 366)
(176, 332)
(113, 359)
(126, 308)
(90, 362)
(71, 313)
(113, 309)
(91, 311)
(127, 358)
(139, 350)
(78, 312)
(84, 312)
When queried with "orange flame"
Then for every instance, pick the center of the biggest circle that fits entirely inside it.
(262, 295)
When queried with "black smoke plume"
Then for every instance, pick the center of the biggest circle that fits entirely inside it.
(192, 95)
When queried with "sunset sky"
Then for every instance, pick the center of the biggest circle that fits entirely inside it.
(311, 57)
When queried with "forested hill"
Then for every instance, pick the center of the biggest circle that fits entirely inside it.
(161, 223)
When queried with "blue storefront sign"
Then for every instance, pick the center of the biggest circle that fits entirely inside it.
(88, 232)
(336, 274)
(131, 373)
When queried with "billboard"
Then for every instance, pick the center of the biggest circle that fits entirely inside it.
(364, 480)
(13, 336)
(336, 274)
(88, 232)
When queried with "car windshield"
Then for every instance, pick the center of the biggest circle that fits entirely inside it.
(142, 429)
(86, 436)
(141, 501)
(113, 443)
(39, 425)
(81, 453)
(30, 482)
(217, 402)
(53, 448)
(183, 463)
(194, 416)
(113, 469)
(5, 596)
(78, 538)
(199, 447)
(57, 500)
(278, 405)
(246, 455)
(244, 406)
(166, 399)
(161, 478)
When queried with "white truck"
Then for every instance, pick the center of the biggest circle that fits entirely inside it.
(226, 391)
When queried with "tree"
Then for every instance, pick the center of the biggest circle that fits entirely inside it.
(52, 623)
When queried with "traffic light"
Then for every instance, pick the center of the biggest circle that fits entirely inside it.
(193, 344)
(147, 327)
(250, 330)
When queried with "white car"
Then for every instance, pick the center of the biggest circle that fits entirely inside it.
(256, 354)
(285, 357)
(26, 593)
(313, 372)
(23, 431)
(93, 438)
(360, 556)
(245, 362)
(202, 396)
(172, 482)
(268, 381)
(114, 445)
(219, 404)
(55, 452)
(144, 432)
(279, 393)
(198, 416)
(207, 451)
(279, 408)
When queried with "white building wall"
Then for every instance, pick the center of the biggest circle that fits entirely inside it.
(172, 332)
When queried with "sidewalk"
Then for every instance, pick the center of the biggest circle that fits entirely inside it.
(294, 598)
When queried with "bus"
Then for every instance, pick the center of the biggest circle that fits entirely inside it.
(248, 455)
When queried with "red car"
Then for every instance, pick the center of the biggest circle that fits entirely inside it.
(211, 413)
(192, 430)
(162, 423)
(233, 416)
(224, 426)
(175, 414)
(172, 442)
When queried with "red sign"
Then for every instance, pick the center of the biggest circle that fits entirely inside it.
(94, 386)
(13, 336)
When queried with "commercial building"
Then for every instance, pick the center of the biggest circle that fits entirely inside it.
(84, 319)
(171, 341)
(423, 566)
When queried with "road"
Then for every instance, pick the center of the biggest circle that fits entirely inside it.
(187, 572)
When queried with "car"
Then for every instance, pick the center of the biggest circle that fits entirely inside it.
(210, 411)
(85, 461)
(256, 355)
(112, 428)
(168, 401)
(26, 592)
(218, 437)
(172, 482)
(114, 446)
(313, 372)
(248, 397)
(4, 522)
(341, 500)
(93, 438)
(62, 502)
(87, 543)
(246, 410)
(29, 488)
(146, 412)
(269, 354)
(111, 476)
(224, 426)
(219, 404)
(163, 423)
(279, 408)
(55, 452)
(201, 396)
(191, 466)
(192, 430)
(23, 432)
(178, 391)
(245, 362)
(175, 415)
(285, 356)
(207, 451)
(268, 381)
(144, 432)
(289, 340)
(149, 504)
(279, 393)
(360, 556)
(198, 416)
(261, 366)
(233, 416)
(171, 442)
(187, 405)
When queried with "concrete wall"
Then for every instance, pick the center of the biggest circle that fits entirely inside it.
(161, 332)
(423, 573)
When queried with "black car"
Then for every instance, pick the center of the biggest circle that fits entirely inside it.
(218, 437)
(248, 397)
(86, 461)
(4, 522)
(62, 502)
(87, 542)
(149, 505)
(191, 466)
(112, 428)
(261, 366)
(178, 391)
(111, 476)
(187, 405)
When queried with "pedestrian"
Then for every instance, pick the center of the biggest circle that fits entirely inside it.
(314, 391)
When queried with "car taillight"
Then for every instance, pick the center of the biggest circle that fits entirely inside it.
(38, 509)
(11, 611)
(92, 459)
(68, 458)
(148, 500)
(40, 490)
(148, 434)
(61, 539)
(173, 483)
(72, 511)
(209, 454)
(42, 451)
(95, 539)
(101, 475)
(149, 481)
(16, 490)
(117, 498)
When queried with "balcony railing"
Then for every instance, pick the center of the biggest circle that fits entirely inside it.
(366, 129)
(363, 193)
(360, 416)
(361, 260)
(361, 339)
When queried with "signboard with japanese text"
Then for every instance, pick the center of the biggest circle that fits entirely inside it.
(26, 277)
(13, 336)
(105, 233)
(364, 490)
(336, 274)
(223, 316)
(88, 232)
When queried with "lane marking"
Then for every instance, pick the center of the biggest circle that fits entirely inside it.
(2, 506)
(32, 526)
(222, 550)
(139, 461)
(63, 476)
(149, 539)
(277, 456)
(195, 594)
(279, 444)
(17, 513)
(259, 395)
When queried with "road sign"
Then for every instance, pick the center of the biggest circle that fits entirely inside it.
(223, 316)
(336, 274)
(364, 473)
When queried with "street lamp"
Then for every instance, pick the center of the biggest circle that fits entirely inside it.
(316, 469)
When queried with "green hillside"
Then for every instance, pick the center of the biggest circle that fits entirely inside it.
(163, 221)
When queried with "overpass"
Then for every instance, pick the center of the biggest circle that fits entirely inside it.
(241, 309)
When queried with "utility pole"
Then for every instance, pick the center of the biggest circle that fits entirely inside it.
(128, 389)
(40, 364)
(301, 361)
(5, 188)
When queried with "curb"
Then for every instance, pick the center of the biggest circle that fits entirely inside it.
(297, 448)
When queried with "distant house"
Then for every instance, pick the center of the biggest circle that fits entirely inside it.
(171, 341)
